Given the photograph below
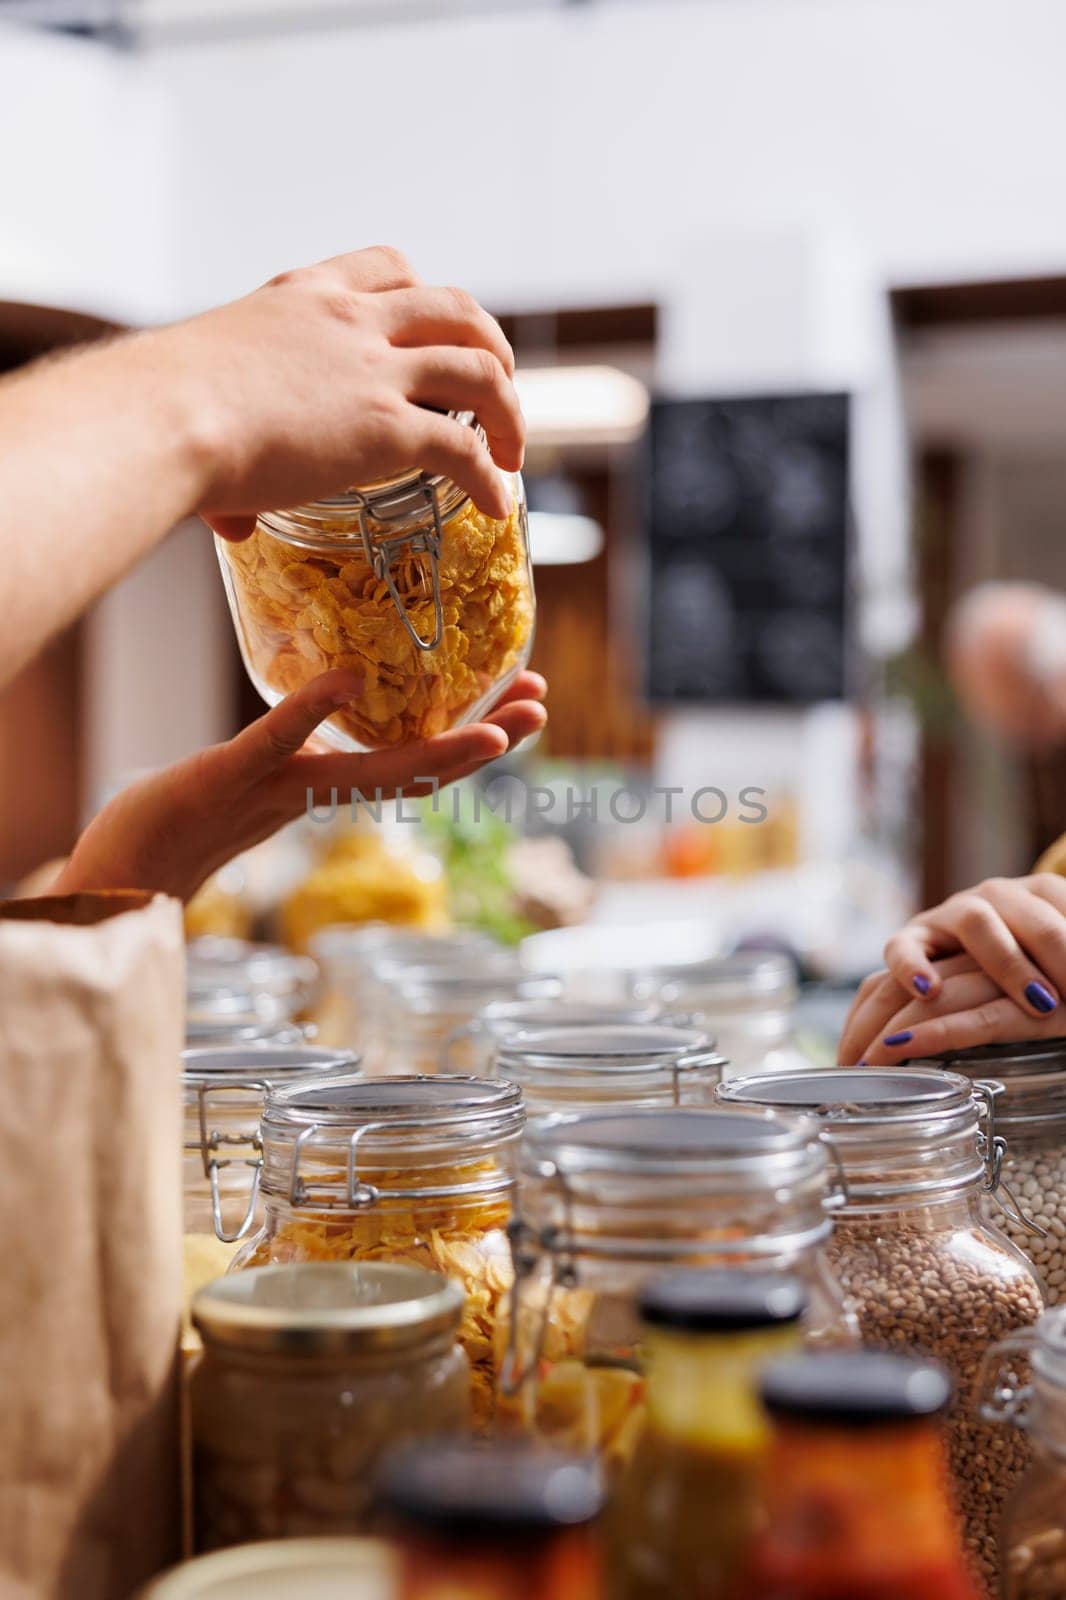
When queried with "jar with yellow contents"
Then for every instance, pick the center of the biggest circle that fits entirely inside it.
(606, 1200)
(405, 1169)
(404, 582)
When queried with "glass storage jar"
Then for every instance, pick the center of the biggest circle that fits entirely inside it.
(594, 1068)
(309, 1375)
(472, 1046)
(268, 969)
(607, 1200)
(912, 1248)
(419, 1009)
(745, 1001)
(347, 955)
(1031, 1116)
(1034, 1533)
(404, 582)
(224, 1091)
(411, 1169)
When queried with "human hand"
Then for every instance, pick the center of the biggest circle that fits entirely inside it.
(969, 1009)
(339, 374)
(172, 830)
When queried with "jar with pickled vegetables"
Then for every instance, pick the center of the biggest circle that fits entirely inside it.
(415, 1170)
(746, 1001)
(224, 1091)
(634, 1065)
(607, 1200)
(920, 1155)
(404, 582)
(472, 1046)
(310, 1374)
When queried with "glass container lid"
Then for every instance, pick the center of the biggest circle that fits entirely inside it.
(262, 1064)
(502, 1017)
(319, 1308)
(749, 975)
(1032, 1074)
(623, 1047)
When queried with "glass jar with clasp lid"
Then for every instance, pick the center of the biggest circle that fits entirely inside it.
(224, 1091)
(404, 582)
(407, 1169)
(631, 1066)
(608, 1199)
(745, 1001)
(1031, 1117)
(921, 1155)
(237, 992)
(420, 1009)
(472, 1046)
(1034, 1535)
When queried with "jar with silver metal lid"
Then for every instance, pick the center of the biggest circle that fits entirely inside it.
(417, 1170)
(346, 954)
(403, 581)
(310, 1374)
(921, 1152)
(270, 969)
(472, 1046)
(419, 1010)
(1031, 1116)
(1034, 1534)
(629, 1066)
(201, 1033)
(745, 1001)
(607, 1200)
(224, 1091)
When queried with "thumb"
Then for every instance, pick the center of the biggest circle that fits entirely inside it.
(266, 744)
(233, 528)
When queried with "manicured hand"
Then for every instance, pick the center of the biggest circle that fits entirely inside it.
(170, 831)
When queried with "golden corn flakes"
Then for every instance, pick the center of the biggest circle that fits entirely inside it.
(301, 613)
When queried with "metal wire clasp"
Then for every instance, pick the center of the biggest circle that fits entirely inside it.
(210, 1142)
(527, 1245)
(993, 1148)
(382, 550)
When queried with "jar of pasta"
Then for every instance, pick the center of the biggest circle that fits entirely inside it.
(416, 1170)
(745, 1001)
(1030, 1113)
(224, 1091)
(1034, 1534)
(630, 1065)
(404, 582)
(472, 1046)
(419, 1011)
(309, 1375)
(607, 1200)
(927, 1275)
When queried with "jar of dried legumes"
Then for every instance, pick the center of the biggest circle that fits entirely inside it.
(1034, 1536)
(415, 1170)
(1031, 1117)
(608, 1199)
(404, 582)
(309, 1375)
(912, 1247)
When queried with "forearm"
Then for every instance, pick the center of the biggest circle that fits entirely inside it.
(101, 453)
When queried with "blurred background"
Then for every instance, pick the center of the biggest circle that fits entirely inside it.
(787, 284)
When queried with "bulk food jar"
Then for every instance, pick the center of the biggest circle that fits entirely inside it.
(913, 1250)
(415, 1170)
(595, 1068)
(224, 1091)
(404, 582)
(309, 1375)
(1034, 1534)
(418, 1011)
(472, 1047)
(745, 1001)
(608, 1199)
(346, 954)
(236, 992)
(1031, 1116)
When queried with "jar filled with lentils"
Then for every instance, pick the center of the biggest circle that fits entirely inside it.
(1031, 1117)
(1034, 1535)
(913, 1249)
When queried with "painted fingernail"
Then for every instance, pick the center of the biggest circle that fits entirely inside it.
(1040, 998)
(894, 1039)
(922, 983)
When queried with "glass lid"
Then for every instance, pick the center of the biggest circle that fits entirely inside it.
(620, 1047)
(423, 1102)
(855, 1094)
(263, 1063)
(746, 974)
(513, 1016)
(669, 1142)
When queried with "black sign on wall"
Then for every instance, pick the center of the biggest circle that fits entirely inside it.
(748, 540)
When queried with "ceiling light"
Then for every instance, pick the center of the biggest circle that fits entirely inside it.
(582, 405)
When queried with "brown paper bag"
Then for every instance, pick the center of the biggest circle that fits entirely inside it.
(91, 1023)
